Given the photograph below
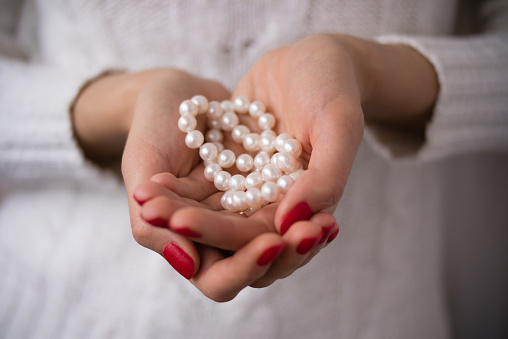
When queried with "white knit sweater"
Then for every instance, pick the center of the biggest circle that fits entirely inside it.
(70, 269)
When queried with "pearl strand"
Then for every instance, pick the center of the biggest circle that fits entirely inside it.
(273, 169)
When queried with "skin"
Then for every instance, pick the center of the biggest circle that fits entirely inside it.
(320, 89)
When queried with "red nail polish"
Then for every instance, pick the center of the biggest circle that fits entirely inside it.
(270, 254)
(332, 236)
(306, 245)
(300, 212)
(157, 222)
(186, 232)
(325, 232)
(180, 260)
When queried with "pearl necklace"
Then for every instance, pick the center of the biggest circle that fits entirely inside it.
(272, 171)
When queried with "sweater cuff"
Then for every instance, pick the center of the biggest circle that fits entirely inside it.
(471, 112)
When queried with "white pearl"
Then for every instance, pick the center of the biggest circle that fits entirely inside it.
(187, 123)
(228, 121)
(226, 158)
(251, 142)
(266, 143)
(254, 179)
(202, 103)
(221, 180)
(286, 162)
(241, 104)
(211, 169)
(228, 106)
(214, 135)
(280, 140)
(296, 174)
(194, 139)
(271, 173)
(266, 121)
(284, 182)
(208, 151)
(237, 182)
(256, 108)
(188, 107)
(239, 132)
(261, 159)
(214, 111)
(275, 159)
(219, 145)
(224, 199)
(213, 124)
(253, 197)
(293, 146)
(270, 191)
(244, 162)
(239, 201)
(269, 132)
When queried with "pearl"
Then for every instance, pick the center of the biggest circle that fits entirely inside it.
(214, 135)
(286, 162)
(292, 146)
(187, 123)
(244, 162)
(241, 104)
(188, 107)
(214, 111)
(261, 159)
(194, 139)
(213, 124)
(228, 106)
(296, 174)
(224, 200)
(226, 158)
(251, 142)
(211, 169)
(208, 151)
(228, 121)
(239, 132)
(202, 103)
(269, 132)
(270, 191)
(221, 180)
(219, 145)
(254, 179)
(237, 182)
(239, 201)
(256, 108)
(280, 140)
(266, 121)
(274, 159)
(266, 143)
(284, 182)
(253, 197)
(271, 173)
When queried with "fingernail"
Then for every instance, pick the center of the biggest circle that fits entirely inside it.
(180, 260)
(157, 222)
(186, 232)
(325, 232)
(306, 245)
(270, 254)
(300, 212)
(332, 236)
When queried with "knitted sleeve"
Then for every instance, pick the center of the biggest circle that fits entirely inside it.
(471, 113)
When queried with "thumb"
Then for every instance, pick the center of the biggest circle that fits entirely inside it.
(334, 145)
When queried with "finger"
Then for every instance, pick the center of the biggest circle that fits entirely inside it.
(303, 241)
(223, 230)
(221, 279)
(334, 146)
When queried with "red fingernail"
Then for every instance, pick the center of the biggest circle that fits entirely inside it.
(325, 232)
(157, 222)
(332, 236)
(270, 255)
(306, 245)
(139, 200)
(186, 232)
(180, 260)
(300, 212)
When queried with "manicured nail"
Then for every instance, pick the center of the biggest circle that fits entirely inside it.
(300, 212)
(270, 254)
(186, 232)
(180, 260)
(157, 222)
(306, 245)
(332, 236)
(325, 232)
